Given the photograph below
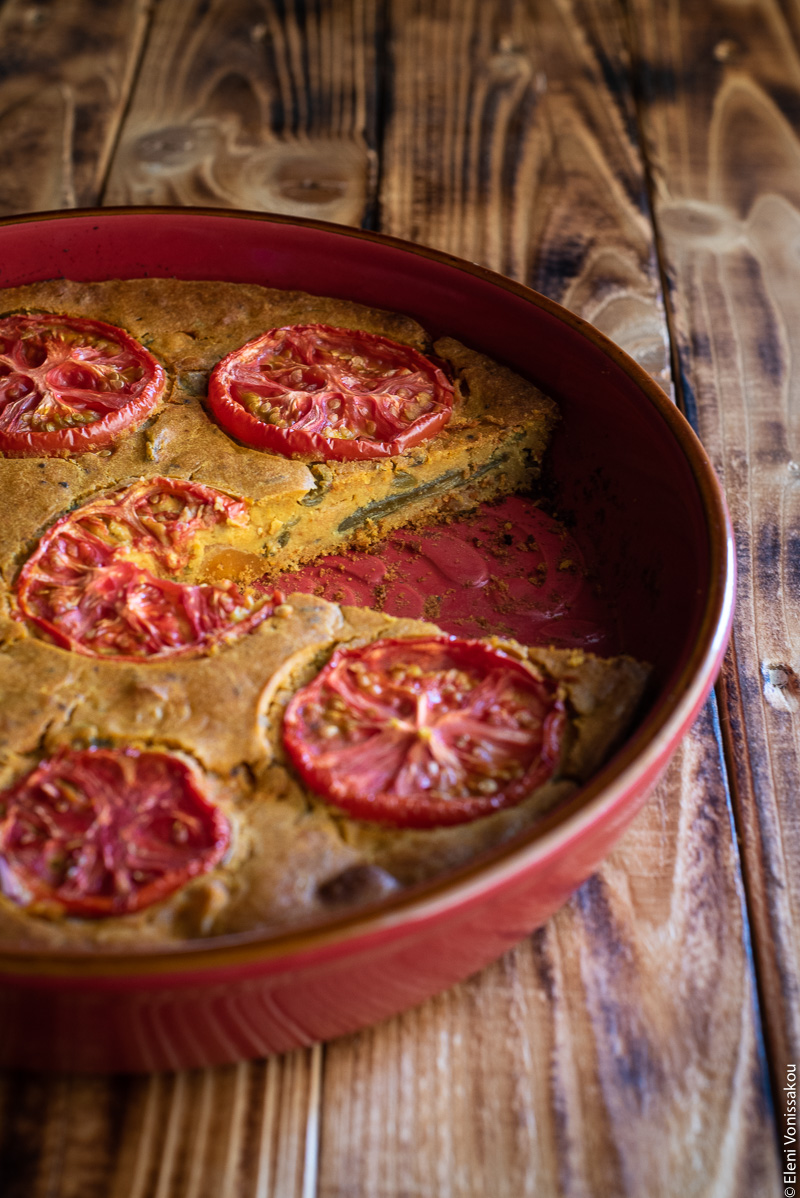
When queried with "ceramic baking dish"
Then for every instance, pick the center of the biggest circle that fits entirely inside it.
(631, 479)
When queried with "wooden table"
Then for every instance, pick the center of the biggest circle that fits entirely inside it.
(639, 161)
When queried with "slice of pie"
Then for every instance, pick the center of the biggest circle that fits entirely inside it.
(492, 444)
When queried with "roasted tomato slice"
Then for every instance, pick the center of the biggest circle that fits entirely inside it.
(106, 831)
(69, 385)
(424, 732)
(329, 393)
(103, 579)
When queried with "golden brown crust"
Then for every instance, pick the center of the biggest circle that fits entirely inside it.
(191, 325)
(491, 447)
(203, 705)
(291, 851)
(224, 712)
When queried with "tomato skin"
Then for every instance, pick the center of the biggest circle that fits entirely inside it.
(69, 359)
(314, 348)
(425, 732)
(99, 832)
(298, 444)
(86, 590)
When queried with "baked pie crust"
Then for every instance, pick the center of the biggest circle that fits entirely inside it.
(293, 858)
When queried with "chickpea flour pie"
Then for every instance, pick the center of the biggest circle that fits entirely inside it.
(185, 750)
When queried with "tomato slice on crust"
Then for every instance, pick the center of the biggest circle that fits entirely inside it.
(102, 580)
(425, 732)
(70, 385)
(323, 392)
(106, 831)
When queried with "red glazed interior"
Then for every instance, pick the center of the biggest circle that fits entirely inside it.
(509, 569)
(626, 473)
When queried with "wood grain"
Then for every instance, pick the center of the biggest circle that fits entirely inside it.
(65, 72)
(251, 104)
(523, 156)
(721, 95)
(217, 1133)
(618, 1051)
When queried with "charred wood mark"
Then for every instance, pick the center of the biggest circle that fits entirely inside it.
(786, 99)
(660, 82)
(22, 1143)
(768, 559)
(593, 904)
(762, 335)
(791, 563)
(380, 86)
(519, 123)
(13, 61)
(542, 962)
(686, 395)
(770, 354)
(751, 687)
(93, 1113)
(633, 1059)
(512, 73)
(560, 263)
(234, 92)
(772, 447)
(701, 346)
(616, 76)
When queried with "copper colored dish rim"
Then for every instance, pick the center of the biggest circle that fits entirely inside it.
(646, 751)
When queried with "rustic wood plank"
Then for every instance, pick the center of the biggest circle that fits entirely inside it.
(58, 1135)
(570, 1067)
(254, 104)
(522, 156)
(721, 96)
(249, 1129)
(235, 1132)
(65, 72)
(618, 1051)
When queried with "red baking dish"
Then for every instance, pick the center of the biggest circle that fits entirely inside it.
(626, 470)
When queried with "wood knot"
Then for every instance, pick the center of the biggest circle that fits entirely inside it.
(295, 181)
(781, 687)
(173, 147)
(509, 65)
(727, 50)
(700, 224)
(324, 178)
